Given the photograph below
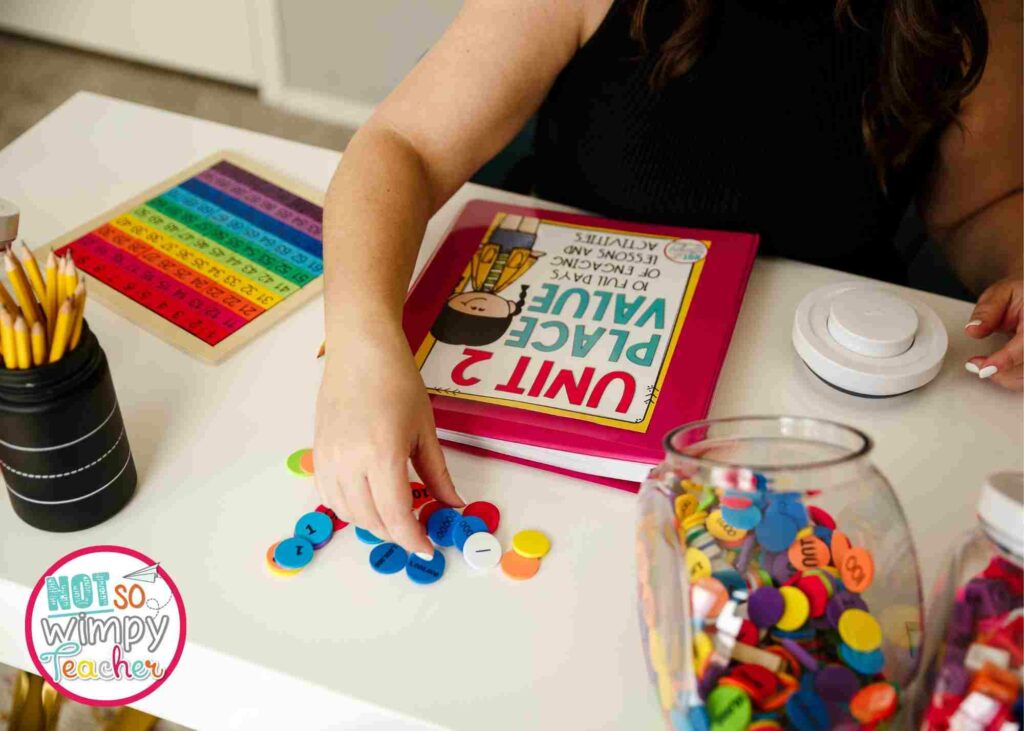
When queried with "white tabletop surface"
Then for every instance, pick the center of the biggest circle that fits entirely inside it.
(340, 646)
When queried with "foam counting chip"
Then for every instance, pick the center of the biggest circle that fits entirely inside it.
(441, 525)
(766, 606)
(777, 530)
(867, 340)
(294, 462)
(293, 553)
(808, 552)
(860, 630)
(836, 684)
(839, 546)
(517, 566)
(482, 551)
(796, 609)
(336, 523)
(367, 537)
(464, 528)
(420, 495)
(813, 587)
(531, 544)
(865, 663)
(487, 512)
(685, 506)
(428, 510)
(708, 596)
(821, 517)
(388, 558)
(757, 682)
(743, 519)
(274, 567)
(729, 708)
(315, 528)
(425, 571)
(720, 529)
(306, 461)
(874, 703)
(857, 570)
(697, 563)
(807, 712)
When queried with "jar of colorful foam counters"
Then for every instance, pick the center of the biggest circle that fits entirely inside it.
(976, 621)
(778, 585)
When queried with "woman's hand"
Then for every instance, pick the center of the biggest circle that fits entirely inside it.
(999, 310)
(373, 415)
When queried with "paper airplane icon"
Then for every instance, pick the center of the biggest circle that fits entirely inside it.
(147, 574)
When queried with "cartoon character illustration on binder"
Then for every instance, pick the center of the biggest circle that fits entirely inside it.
(477, 314)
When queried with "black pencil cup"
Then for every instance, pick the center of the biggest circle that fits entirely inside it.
(64, 453)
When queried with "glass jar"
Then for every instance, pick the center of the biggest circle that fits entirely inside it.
(778, 582)
(976, 620)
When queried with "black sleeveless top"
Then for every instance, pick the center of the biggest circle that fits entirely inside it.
(763, 134)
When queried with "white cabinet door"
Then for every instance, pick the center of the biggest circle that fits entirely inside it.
(206, 37)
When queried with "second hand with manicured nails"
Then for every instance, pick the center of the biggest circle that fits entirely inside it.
(999, 310)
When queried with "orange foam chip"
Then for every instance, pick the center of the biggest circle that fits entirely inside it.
(519, 567)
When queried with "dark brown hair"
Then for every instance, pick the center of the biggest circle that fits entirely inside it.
(933, 53)
(461, 328)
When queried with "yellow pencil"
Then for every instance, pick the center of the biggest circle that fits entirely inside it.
(6, 301)
(22, 290)
(70, 277)
(61, 263)
(35, 277)
(51, 293)
(7, 338)
(38, 344)
(21, 343)
(61, 331)
(78, 316)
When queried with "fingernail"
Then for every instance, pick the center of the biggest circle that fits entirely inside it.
(425, 556)
(987, 371)
(972, 323)
(971, 368)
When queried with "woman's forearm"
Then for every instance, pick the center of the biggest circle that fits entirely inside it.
(375, 212)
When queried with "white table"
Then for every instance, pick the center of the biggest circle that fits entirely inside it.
(340, 646)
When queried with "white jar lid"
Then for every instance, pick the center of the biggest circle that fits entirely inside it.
(869, 340)
(9, 215)
(1001, 510)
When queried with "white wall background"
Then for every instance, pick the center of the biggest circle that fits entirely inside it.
(358, 49)
(331, 59)
(206, 37)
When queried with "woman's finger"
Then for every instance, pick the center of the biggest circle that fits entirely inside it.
(1012, 379)
(989, 313)
(429, 463)
(389, 486)
(1003, 360)
(325, 476)
(339, 504)
(360, 503)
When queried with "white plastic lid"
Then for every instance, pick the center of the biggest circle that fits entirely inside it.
(9, 217)
(1001, 510)
(869, 340)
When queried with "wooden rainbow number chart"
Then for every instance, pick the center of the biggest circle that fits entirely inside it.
(209, 258)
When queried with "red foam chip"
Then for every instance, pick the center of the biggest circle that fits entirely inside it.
(336, 522)
(487, 512)
(420, 495)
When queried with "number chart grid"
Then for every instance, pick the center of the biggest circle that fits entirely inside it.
(206, 259)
